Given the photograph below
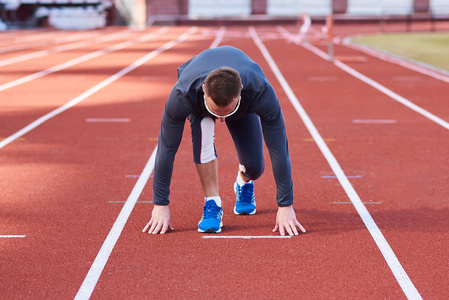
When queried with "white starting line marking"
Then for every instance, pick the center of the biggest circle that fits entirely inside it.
(246, 237)
(374, 121)
(351, 202)
(108, 120)
(11, 236)
(350, 176)
(125, 202)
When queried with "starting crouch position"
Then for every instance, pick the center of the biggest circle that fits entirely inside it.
(224, 84)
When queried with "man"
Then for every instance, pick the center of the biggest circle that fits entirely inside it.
(225, 84)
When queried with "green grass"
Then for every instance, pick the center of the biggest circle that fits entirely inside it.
(429, 48)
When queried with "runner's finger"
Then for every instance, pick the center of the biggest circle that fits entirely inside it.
(158, 228)
(153, 226)
(301, 227)
(289, 230)
(147, 226)
(281, 230)
(294, 228)
(164, 228)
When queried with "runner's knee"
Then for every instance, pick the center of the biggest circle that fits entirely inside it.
(254, 171)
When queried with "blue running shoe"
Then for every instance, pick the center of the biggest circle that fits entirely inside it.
(246, 202)
(211, 220)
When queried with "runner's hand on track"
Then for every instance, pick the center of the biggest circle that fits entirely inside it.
(160, 220)
(286, 220)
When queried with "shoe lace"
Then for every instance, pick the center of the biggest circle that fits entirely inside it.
(211, 211)
(246, 193)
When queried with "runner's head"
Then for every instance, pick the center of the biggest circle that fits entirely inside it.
(222, 90)
(223, 86)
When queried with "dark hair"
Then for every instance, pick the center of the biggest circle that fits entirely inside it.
(222, 85)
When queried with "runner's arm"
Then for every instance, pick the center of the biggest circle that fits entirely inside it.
(172, 126)
(275, 137)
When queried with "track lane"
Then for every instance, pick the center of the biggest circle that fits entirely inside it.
(83, 58)
(22, 36)
(14, 71)
(395, 266)
(28, 42)
(77, 167)
(101, 259)
(44, 52)
(79, 78)
(286, 268)
(61, 162)
(402, 165)
(421, 89)
(397, 81)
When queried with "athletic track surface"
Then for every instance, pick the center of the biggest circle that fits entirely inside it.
(79, 120)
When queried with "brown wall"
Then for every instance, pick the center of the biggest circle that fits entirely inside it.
(166, 7)
(339, 6)
(421, 5)
(180, 7)
(259, 7)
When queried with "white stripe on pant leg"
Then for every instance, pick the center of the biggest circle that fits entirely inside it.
(207, 140)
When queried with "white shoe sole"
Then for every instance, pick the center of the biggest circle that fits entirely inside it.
(244, 213)
(210, 230)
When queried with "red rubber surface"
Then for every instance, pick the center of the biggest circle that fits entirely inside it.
(56, 181)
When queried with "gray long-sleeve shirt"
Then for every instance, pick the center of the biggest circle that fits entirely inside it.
(186, 98)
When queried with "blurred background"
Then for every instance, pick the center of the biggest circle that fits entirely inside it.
(90, 14)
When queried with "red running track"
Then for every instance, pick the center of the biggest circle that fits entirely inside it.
(65, 180)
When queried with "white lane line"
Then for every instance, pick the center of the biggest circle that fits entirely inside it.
(219, 37)
(374, 84)
(246, 237)
(91, 279)
(30, 36)
(26, 36)
(97, 87)
(11, 236)
(100, 261)
(98, 265)
(34, 36)
(401, 61)
(108, 120)
(59, 49)
(81, 59)
(46, 43)
(373, 121)
(391, 94)
(398, 271)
